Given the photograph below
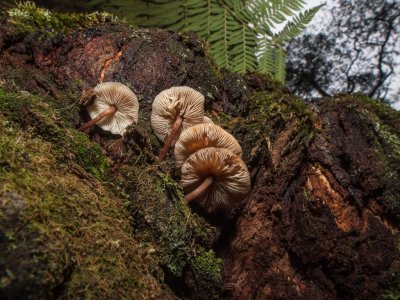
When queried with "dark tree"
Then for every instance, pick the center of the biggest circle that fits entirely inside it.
(358, 51)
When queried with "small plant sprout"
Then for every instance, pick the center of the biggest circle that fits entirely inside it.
(216, 178)
(114, 108)
(202, 136)
(173, 110)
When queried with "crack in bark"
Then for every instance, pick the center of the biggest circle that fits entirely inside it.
(107, 64)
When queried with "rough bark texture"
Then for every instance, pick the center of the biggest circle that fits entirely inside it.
(322, 219)
(100, 217)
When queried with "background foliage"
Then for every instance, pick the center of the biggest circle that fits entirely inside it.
(355, 49)
(242, 35)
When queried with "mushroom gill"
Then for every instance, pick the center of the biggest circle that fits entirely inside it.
(175, 109)
(114, 108)
(202, 136)
(216, 177)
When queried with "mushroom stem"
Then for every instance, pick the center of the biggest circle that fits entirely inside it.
(171, 137)
(112, 109)
(200, 189)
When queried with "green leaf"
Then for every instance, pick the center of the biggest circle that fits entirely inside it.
(239, 31)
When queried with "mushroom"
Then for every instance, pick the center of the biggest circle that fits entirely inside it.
(202, 136)
(114, 108)
(175, 109)
(206, 120)
(216, 177)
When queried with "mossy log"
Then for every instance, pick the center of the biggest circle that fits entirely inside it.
(98, 217)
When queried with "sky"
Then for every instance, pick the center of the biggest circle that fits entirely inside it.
(321, 18)
(311, 3)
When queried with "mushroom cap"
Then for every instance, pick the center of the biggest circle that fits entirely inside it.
(231, 178)
(120, 96)
(177, 101)
(203, 136)
(207, 120)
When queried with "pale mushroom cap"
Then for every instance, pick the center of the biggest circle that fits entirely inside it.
(202, 136)
(119, 95)
(231, 178)
(207, 120)
(177, 101)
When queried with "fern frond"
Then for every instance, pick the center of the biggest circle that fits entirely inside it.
(280, 65)
(165, 14)
(201, 16)
(272, 60)
(243, 42)
(219, 39)
(240, 32)
(268, 59)
(270, 13)
(296, 26)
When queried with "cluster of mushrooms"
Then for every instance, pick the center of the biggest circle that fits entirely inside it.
(207, 157)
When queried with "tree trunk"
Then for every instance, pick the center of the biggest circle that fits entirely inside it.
(321, 221)
(322, 218)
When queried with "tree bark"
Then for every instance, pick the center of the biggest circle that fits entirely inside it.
(322, 218)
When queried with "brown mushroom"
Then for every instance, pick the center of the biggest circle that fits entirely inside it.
(173, 110)
(114, 108)
(202, 136)
(216, 177)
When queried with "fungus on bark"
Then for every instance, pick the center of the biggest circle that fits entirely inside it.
(216, 177)
(175, 109)
(114, 108)
(202, 136)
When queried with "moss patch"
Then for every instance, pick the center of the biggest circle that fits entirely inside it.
(392, 284)
(270, 113)
(27, 17)
(63, 233)
(380, 124)
(39, 117)
(163, 220)
(207, 271)
(57, 173)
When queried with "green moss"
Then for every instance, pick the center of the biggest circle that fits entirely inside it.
(386, 125)
(162, 216)
(392, 287)
(163, 220)
(381, 126)
(388, 155)
(74, 233)
(207, 270)
(27, 17)
(270, 113)
(90, 156)
(38, 116)
(392, 284)
(383, 111)
(279, 104)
